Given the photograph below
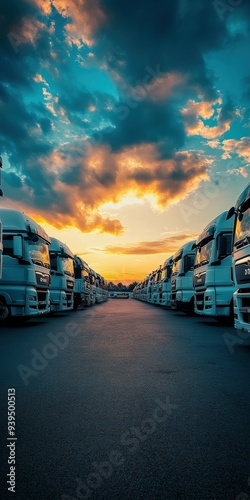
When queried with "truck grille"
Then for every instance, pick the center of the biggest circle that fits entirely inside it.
(244, 306)
(42, 296)
(69, 299)
(199, 300)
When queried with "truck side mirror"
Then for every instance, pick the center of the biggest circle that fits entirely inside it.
(230, 213)
(224, 245)
(17, 247)
(245, 206)
(33, 237)
(188, 263)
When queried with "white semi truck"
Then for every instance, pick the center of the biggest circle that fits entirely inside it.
(156, 286)
(150, 286)
(24, 287)
(165, 288)
(213, 283)
(82, 282)
(92, 279)
(101, 289)
(182, 292)
(62, 277)
(241, 260)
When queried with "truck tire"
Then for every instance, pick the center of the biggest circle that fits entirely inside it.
(4, 310)
(190, 310)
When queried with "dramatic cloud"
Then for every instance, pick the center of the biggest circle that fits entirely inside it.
(195, 113)
(167, 245)
(99, 100)
(240, 147)
(75, 188)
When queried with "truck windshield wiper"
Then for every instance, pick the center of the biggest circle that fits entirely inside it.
(242, 242)
(38, 262)
(202, 263)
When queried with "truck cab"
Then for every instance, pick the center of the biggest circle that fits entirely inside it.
(150, 287)
(104, 290)
(165, 299)
(82, 284)
(92, 279)
(241, 260)
(144, 289)
(62, 277)
(24, 287)
(157, 286)
(99, 286)
(213, 283)
(182, 292)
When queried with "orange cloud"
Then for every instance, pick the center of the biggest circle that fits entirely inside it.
(85, 18)
(139, 171)
(208, 132)
(39, 79)
(203, 109)
(44, 5)
(160, 87)
(195, 113)
(81, 218)
(75, 187)
(240, 147)
(167, 245)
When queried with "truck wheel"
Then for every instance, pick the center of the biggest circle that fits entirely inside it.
(190, 310)
(227, 320)
(4, 311)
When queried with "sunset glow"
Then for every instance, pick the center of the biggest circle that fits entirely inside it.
(124, 131)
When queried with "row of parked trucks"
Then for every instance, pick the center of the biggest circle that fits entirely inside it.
(209, 276)
(39, 274)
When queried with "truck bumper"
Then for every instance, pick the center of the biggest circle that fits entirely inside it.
(242, 311)
(212, 302)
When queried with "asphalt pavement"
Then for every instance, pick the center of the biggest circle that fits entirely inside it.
(126, 400)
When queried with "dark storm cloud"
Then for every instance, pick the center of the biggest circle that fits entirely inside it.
(148, 123)
(12, 179)
(16, 124)
(174, 35)
(227, 112)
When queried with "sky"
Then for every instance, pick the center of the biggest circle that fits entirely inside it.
(124, 126)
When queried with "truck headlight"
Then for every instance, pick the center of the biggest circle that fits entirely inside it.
(32, 298)
(209, 298)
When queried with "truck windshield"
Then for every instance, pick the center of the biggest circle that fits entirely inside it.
(39, 252)
(68, 266)
(176, 266)
(242, 230)
(203, 254)
(167, 273)
(85, 275)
